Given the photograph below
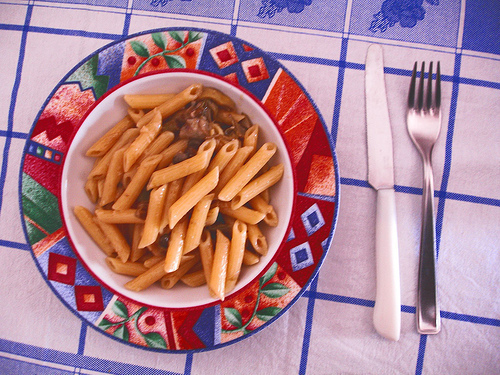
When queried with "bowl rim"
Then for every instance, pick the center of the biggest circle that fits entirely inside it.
(287, 229)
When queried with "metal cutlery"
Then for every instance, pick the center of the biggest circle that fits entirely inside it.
(387, 310)
(424, 123)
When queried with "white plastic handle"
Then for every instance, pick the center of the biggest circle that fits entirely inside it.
(387, 311)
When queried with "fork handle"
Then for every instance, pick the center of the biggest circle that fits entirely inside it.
(428, 315)
(387, 310)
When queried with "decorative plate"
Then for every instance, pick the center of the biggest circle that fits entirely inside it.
(286, 276)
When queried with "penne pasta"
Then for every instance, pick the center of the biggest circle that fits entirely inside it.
(217, 283)
(156, 250)
(154, 215)
(249, 258)
(135, 114)
(257, 186)
(236, 252)
(180, 200)
(212, 216)
(194, 279)
(86, 218)
(192, 196)
(174, 192)
(104, 143)
(159, 145)
(172, 105)
(146, 279)
(232, 167)
(168, 154)
(91, 189)
(197, 223)
(113, 177)
(128, 268)
(128, 216)
(146, 101)
(101, 167)
(136, 252)
(147, 134)
(170, 279)
(206, 254)
(138, 182)
(243, 213)
(251, 138)
(224, 155)
(247, 172)
(115, 236)
(150, 262)
(217, 96)
(207, 146)
(175, 246)
(182, 169)
(256, 239)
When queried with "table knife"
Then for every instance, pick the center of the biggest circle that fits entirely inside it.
(387, 310)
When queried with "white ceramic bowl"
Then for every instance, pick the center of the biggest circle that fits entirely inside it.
(77, 166)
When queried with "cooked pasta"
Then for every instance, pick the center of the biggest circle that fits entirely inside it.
(181, 188)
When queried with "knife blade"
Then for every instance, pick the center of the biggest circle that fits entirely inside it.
(387, 310)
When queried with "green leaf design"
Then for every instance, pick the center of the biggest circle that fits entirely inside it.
(40, 205)
(155, 340)
(122, 332)
(269, 274)
(160, 40)
(233, 316)
(104, 324)
(268, 313)
(174, 61)
(139, 312)
(193, 36)
(177, 35)
(275, 290)
(140, 48)
(88, 77)
(120, 309)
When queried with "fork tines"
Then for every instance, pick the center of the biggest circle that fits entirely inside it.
(432, 101)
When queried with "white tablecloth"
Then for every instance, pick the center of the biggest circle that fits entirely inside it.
(329, 330)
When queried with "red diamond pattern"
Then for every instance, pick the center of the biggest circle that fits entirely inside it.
(88, 298)
(224, 55)
(255, 70)
(61, 268)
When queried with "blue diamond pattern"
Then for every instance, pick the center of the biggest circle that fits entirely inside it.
(301, 256)
(312, 219)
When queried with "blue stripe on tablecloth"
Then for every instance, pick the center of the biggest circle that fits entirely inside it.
(448, 151)
(189, 364)
(13, 99)
(15, 245)
(418, 191)
(82, 338)
(126, 22)
(404, 308)
(8, 365)
(76, 360)
(11, 134)
(338, 91)
(71, 32)
(420, 356)
(308, 327)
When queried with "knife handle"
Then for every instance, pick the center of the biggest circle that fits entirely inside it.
(387, 311)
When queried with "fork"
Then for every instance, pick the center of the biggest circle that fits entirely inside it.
(424, 123)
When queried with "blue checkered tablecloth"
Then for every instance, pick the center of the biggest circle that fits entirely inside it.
(329, 330)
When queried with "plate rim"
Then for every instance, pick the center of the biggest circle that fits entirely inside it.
(335, 199)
